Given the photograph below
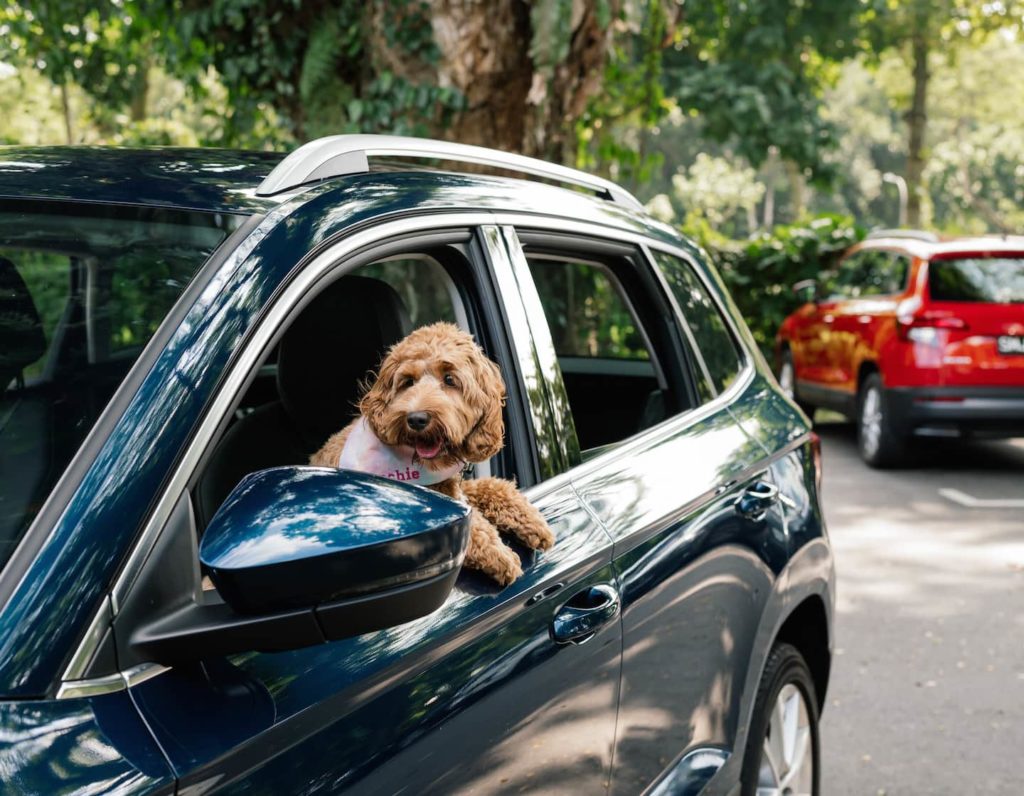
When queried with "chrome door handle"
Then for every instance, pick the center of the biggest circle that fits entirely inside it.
(579, 619)
(757, 499)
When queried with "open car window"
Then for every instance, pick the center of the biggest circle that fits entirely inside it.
(309, 384)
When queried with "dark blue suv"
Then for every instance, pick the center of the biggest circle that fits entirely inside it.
(187, 607)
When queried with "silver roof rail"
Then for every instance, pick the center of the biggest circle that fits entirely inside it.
(338, 155)
(911, 234)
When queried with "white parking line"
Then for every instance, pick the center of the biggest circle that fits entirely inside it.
(971, 502)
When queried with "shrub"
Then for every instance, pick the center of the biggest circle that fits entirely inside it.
(760, 271)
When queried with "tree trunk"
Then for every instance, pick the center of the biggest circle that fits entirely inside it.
(65, 102)
(797, 194)
(917, 119)
(523, 93)
(485, 54)
(140, 92)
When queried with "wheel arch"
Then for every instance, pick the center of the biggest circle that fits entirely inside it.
(806, 628)
(865, 369)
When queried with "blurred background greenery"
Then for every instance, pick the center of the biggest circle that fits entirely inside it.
(773, 131)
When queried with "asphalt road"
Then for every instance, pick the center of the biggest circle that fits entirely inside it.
(927, 688)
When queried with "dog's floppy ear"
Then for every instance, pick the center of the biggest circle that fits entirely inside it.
(374, 402)
(487, 437)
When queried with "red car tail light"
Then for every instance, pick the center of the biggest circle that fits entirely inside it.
(913, 324)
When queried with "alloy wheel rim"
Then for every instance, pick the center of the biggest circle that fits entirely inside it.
(871, 421)
(787, 759)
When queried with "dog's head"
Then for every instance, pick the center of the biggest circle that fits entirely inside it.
(438, 393)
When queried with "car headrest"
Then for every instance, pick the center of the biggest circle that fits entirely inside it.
(334, 344)
(22, 341)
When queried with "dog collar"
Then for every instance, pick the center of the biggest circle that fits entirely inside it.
(365, 452)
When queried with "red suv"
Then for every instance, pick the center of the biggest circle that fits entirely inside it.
(913, 336)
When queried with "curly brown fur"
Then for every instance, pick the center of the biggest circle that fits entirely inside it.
(439, 370)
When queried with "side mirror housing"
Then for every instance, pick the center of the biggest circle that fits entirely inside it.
(303, 555)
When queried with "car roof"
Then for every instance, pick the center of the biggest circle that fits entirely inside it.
(926, 249)
(221, 180)
(216, 180)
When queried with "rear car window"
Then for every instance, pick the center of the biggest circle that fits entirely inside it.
(586, 312)
(995, 280)
(609, 368)
(871, 272)
(82, 289)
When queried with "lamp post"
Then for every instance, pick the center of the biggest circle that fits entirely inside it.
(901, 186)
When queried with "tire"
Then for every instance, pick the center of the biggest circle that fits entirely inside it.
(783, 752)
(787, 381)
(880, 444)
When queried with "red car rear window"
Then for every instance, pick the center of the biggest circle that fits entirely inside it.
(995, 280)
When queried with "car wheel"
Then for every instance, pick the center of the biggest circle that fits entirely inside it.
(787, 381)
(880, 444)
(782, 754)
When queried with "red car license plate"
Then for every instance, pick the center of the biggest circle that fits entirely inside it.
(1009, 344)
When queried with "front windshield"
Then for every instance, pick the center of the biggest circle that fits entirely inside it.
(82, 289)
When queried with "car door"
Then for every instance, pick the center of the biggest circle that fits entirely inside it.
(693, 559)
(495, 692)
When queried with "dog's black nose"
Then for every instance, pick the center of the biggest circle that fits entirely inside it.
(417, 420)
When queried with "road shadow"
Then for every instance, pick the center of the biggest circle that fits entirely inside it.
(936, 454)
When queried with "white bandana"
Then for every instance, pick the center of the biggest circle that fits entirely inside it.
(363, 451)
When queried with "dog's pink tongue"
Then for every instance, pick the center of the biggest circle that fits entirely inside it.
(428, 451)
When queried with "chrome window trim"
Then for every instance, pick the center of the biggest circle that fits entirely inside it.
(282, 305)
(108, 684)
(553, 384)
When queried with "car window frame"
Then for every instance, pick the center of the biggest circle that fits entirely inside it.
(591, 237)
(671, 357)
(305, 281)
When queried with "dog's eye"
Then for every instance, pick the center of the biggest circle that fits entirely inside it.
(407, 382)
(449, 379)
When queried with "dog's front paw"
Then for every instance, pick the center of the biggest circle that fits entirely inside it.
(536, 535)
(505, 566)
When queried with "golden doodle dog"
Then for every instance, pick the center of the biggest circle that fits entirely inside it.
(435, 407)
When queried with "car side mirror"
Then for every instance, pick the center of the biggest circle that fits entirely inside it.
(304, 555)
(807, 290)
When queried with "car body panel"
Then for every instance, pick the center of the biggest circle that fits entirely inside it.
(91, 745)
(483, 667)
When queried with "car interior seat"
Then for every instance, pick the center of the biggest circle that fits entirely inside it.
(323, 357)
(22, 340)
(24, 427)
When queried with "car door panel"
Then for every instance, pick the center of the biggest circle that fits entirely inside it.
(477, 695)
(694, 575)
(88, 745)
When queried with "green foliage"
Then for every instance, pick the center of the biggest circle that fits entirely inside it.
(319, 65)
(753, 71)
(587, 316)
(760, 272)
(633, 97)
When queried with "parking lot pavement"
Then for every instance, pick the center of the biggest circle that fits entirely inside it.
(927, 688)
